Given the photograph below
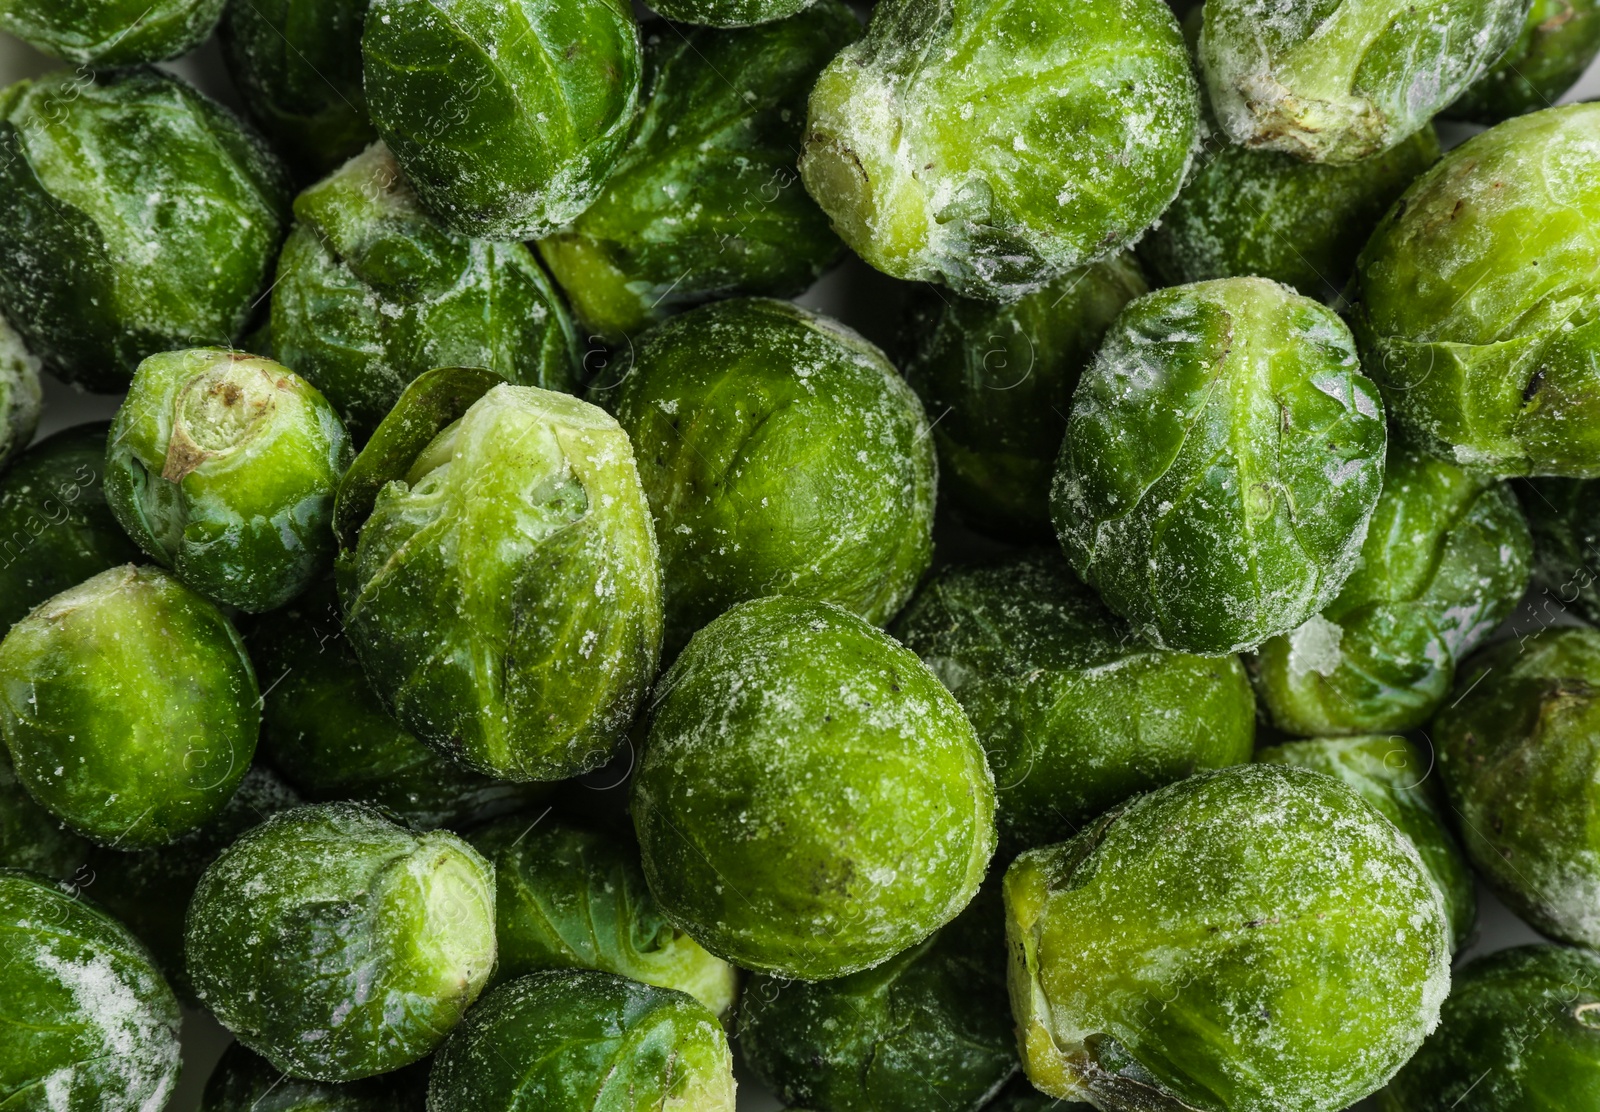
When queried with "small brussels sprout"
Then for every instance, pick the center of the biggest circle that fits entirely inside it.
(1474, 300)
(506, 116)
(1445, 561)
(222, 466)
(781, 454)
(573, 1040)
(1565, 518)
(338, 945)
(998, 379)
(32, 838)
(246, 1082)
(136, 215)
(811, 800)
(371, 293)
(1255, 939)
(730, 13)
(129, 707)
(574, 899)
(1076, 715)
(1222, 459)
(1559, 39)
(110, 33)
(20, 393)
(86, 1022)
(988, 146)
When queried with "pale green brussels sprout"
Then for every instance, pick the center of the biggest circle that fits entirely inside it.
(1565, 518)
(20, 393)
(1559, 39)
(246, 1082)
(31, 838)
(730, 13)
(111, 32)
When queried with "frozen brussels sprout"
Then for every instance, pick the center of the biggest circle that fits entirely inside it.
(1559, 39)
(86, 1022)
(223, 466)
(246, 1082)
(781, 454)
(129, 707)
(32, 838)
(136, 216)
(1223, 457)
(998, 380)
(1474, 301)
(1565, 518)
(1075, 713)
(371, 293)
(572, 1040)
(111, 32)
(1445, 561)
(504, 597)
(1256, 939)
(992, 146)
(811, 800)
(506, 116)
(730, 13)
(339, 945)
(20, 394)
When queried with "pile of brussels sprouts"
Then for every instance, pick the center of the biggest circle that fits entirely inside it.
(496, 659)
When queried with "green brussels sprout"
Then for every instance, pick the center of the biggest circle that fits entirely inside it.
(129, 707)
(1255, 939)
(998, 380)
(1019, 1095)
(811, 800)
(705, 201)
(1475, 300)
(781, 454)
(31, 838)
(136, 215)
(111, 32)
(86, 1022)
(20, 394)
(730, 13)
(371, 293)
(1565, 518)
(506, 116)
(246, 1082)
(1445, 561)
(1076, 715)
(992, 146)
(574, 1040)
(1559, 39)
(223, 466)
(338, 945)
(575, 899)
(1223, 457)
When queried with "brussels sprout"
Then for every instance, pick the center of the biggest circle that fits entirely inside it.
(1446, 559)
(86, 1022)
(1019, 1095)
(506, 116)
(246, 1082)
(111, 32)
(1222, 460)
(569, 1041)
(731, 13)
(32, 838)
(811, 801)
(20, 394)
(1476, 300)
(338, 945)
(1559, 39)
(371, 293)
(573, 899)
(999, 381)
(1565, 516)
(129, 706)
(705, 201)
(136, 216)
(1075, 713)
(1255, 939)
(992, 146)
(781, 454)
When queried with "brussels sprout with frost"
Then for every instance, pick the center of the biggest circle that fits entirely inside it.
(1475, 300)
(246, 1082)
(1256, 939)
(1223, 456)
(129, 707)
(811, 800)
(20, 394)
(1559, 39)
(1076, 714)
(339, 945)
(992, 146)
(31, 838)
(1565, 518)
(136, 216)
(1445, 561)
(110, 33)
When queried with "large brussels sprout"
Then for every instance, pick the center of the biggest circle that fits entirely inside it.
(570, 1041)
(1256, 939)
(506, 116)
(86, 1022)
(371, 293)
(136, 216)
(1222, 459)
(811, 800)
(1075, 713)
(1477, 301)
(111, 32)
(338, 945)
(32, 838)
(129, 707)
(20, 393)
(1565, 519)
(781, 454)
(1559, 39)
(1445, 561)
(246, 1082)
(730, 13)
(992, 146)
(998, 380)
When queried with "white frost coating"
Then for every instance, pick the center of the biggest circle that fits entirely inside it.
(1314, 647)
